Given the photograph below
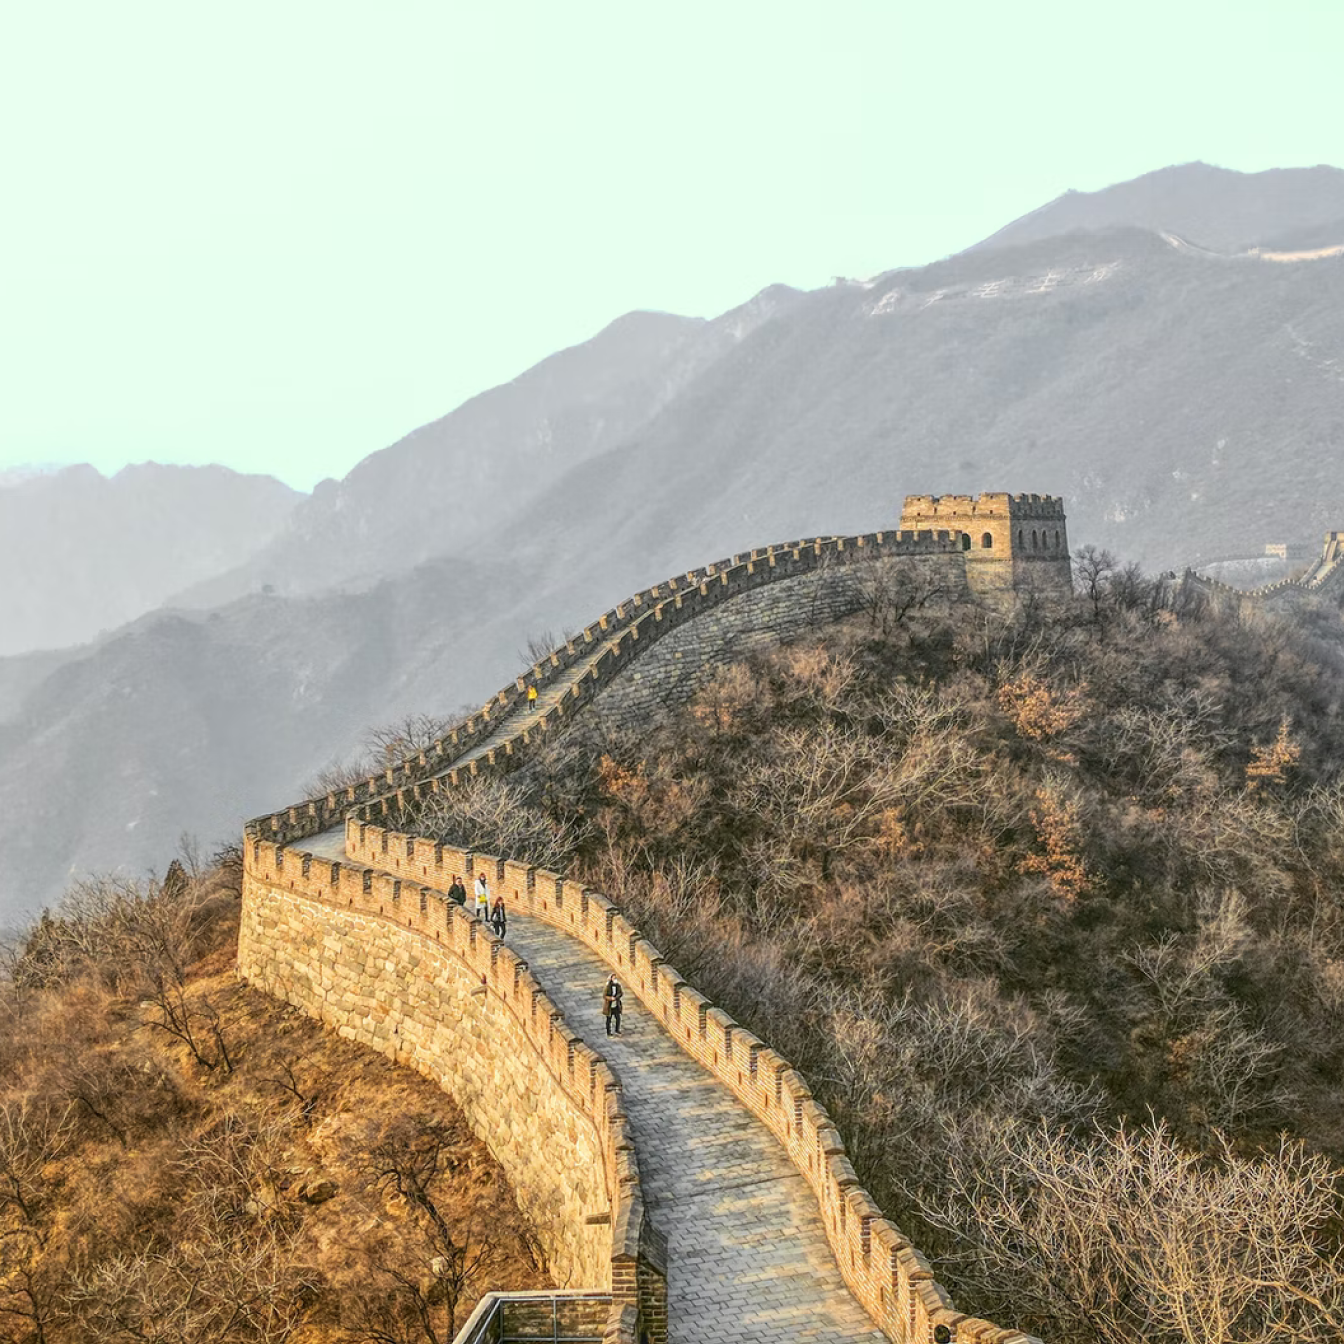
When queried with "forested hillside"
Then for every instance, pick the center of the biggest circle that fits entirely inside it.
(1046, 908)
(184, 1160)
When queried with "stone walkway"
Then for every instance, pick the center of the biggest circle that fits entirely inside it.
(513, 723)
(747, 1259)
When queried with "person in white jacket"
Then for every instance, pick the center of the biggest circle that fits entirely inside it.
(482, 897)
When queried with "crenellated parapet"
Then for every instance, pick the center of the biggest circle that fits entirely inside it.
(501, 734)
(1324, 577)
(393, 964)
(880, 1266)
(1011, 542)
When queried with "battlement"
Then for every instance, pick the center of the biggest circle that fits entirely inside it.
(991, 504)
(1010, 541)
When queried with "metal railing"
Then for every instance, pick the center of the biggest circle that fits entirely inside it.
(537, 1318)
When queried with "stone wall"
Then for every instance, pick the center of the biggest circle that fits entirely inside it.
(892, 1280)
(396, 967)
(1325, 578)
(684, 660)
(1012, 542)
(629, 630)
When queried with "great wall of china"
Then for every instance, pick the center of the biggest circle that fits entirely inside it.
(683, 1182)
(1324, 577)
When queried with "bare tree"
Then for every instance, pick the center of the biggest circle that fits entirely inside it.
(1124, 1236)
(1094, 570)
(32, 1136)
(493, 816)
(231, 1274)
(890, 595)
(422, 1288)
(381, 747)
(540, 646)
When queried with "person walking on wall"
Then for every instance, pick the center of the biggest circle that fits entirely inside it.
(532, 697)
(457, 892)
(498, 920)
(611, 1005)
(482, 897)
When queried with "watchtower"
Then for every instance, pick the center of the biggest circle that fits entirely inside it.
(1009, 542)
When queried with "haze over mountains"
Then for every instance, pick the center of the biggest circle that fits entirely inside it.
(1187, 404)
(82, 552)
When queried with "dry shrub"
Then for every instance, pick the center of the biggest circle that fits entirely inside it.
(1123, 1235)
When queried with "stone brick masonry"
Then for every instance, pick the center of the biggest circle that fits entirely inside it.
(408, 973)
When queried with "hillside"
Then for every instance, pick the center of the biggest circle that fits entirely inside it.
(1181, 405)
(1217, 208)
(94, 552)
(186, 1158)
(1046, 911)
(183, 720)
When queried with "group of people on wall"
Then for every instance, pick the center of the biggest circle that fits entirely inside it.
(488, 912)
(493, 914)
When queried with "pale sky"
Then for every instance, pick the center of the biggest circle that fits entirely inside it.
(279, 235)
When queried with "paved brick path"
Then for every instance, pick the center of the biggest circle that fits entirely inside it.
(548, 697)
(747, 1258)
(748, 1261)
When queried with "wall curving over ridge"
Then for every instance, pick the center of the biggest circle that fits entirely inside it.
(891, 1279)
(502, 734)
(399, 968)
(627, 660)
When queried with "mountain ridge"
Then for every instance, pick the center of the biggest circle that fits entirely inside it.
(103, 542)
(1183, 404)
(1217, 208)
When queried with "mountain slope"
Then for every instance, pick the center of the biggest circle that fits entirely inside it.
(1184, 404)
(1217, 208)
(82, 552)
(189, 721)
(449, 487)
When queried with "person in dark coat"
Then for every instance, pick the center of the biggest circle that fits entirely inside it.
(611, 1005)
(498, 920)
(457, 892)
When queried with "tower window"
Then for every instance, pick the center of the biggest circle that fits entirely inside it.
(965, 541)
(1021, 545)
(1033, 539)
(1056, 538)
(987, 541)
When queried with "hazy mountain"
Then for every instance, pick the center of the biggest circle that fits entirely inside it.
(1309, 238)
(82, 552)
(1214, 207)
(189, 721)
(449, 487)
(1185, 404)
